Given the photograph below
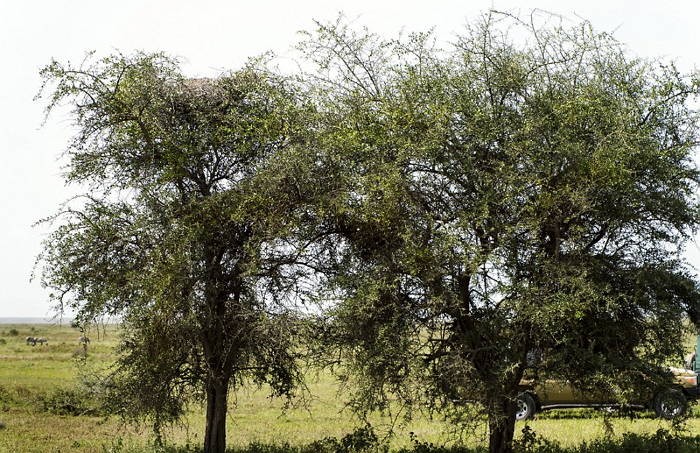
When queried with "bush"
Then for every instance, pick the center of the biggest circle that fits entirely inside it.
(360, 440)
(14, 332)
(365, 440)
(6, 400)
(662, 441)
(67, 402)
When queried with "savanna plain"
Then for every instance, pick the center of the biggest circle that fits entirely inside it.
(44, 409)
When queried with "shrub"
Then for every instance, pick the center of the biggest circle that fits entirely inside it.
(365, 440)
(14, 332)
(5, 399)
(67, 402)
(360, 440)
(661, 441)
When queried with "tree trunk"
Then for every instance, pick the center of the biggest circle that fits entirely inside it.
(217, 402)
(501, 426)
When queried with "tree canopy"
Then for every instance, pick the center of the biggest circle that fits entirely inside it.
(524, 193)
(182, 229)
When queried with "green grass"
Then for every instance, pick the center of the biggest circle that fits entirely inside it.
(31, 379)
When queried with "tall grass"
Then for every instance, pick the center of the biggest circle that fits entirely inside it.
(364, 440)
(44, 409)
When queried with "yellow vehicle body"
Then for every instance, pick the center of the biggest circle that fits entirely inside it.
(558, 394)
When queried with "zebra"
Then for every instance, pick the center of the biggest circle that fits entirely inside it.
(31, 341)
(42, 340)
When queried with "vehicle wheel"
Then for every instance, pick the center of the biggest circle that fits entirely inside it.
(670, 403)
(525, 407)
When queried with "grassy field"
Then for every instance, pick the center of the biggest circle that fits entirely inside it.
(32, 377)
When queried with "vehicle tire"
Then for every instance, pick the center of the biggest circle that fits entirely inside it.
(525, 407)
(670, 403)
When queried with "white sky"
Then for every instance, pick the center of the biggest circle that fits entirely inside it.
(211, 36)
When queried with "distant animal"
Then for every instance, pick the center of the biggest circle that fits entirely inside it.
(42, 340)
(83, 340)
(31, 341)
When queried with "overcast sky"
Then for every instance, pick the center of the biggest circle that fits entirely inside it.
(211, 36)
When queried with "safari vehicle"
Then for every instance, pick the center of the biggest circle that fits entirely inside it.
(555, 394)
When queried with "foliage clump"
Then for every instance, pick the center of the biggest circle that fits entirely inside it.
(181, 231)
(515, 205)
(68, 401)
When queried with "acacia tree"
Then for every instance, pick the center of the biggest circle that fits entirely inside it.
(527, 190)
(190, 192)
